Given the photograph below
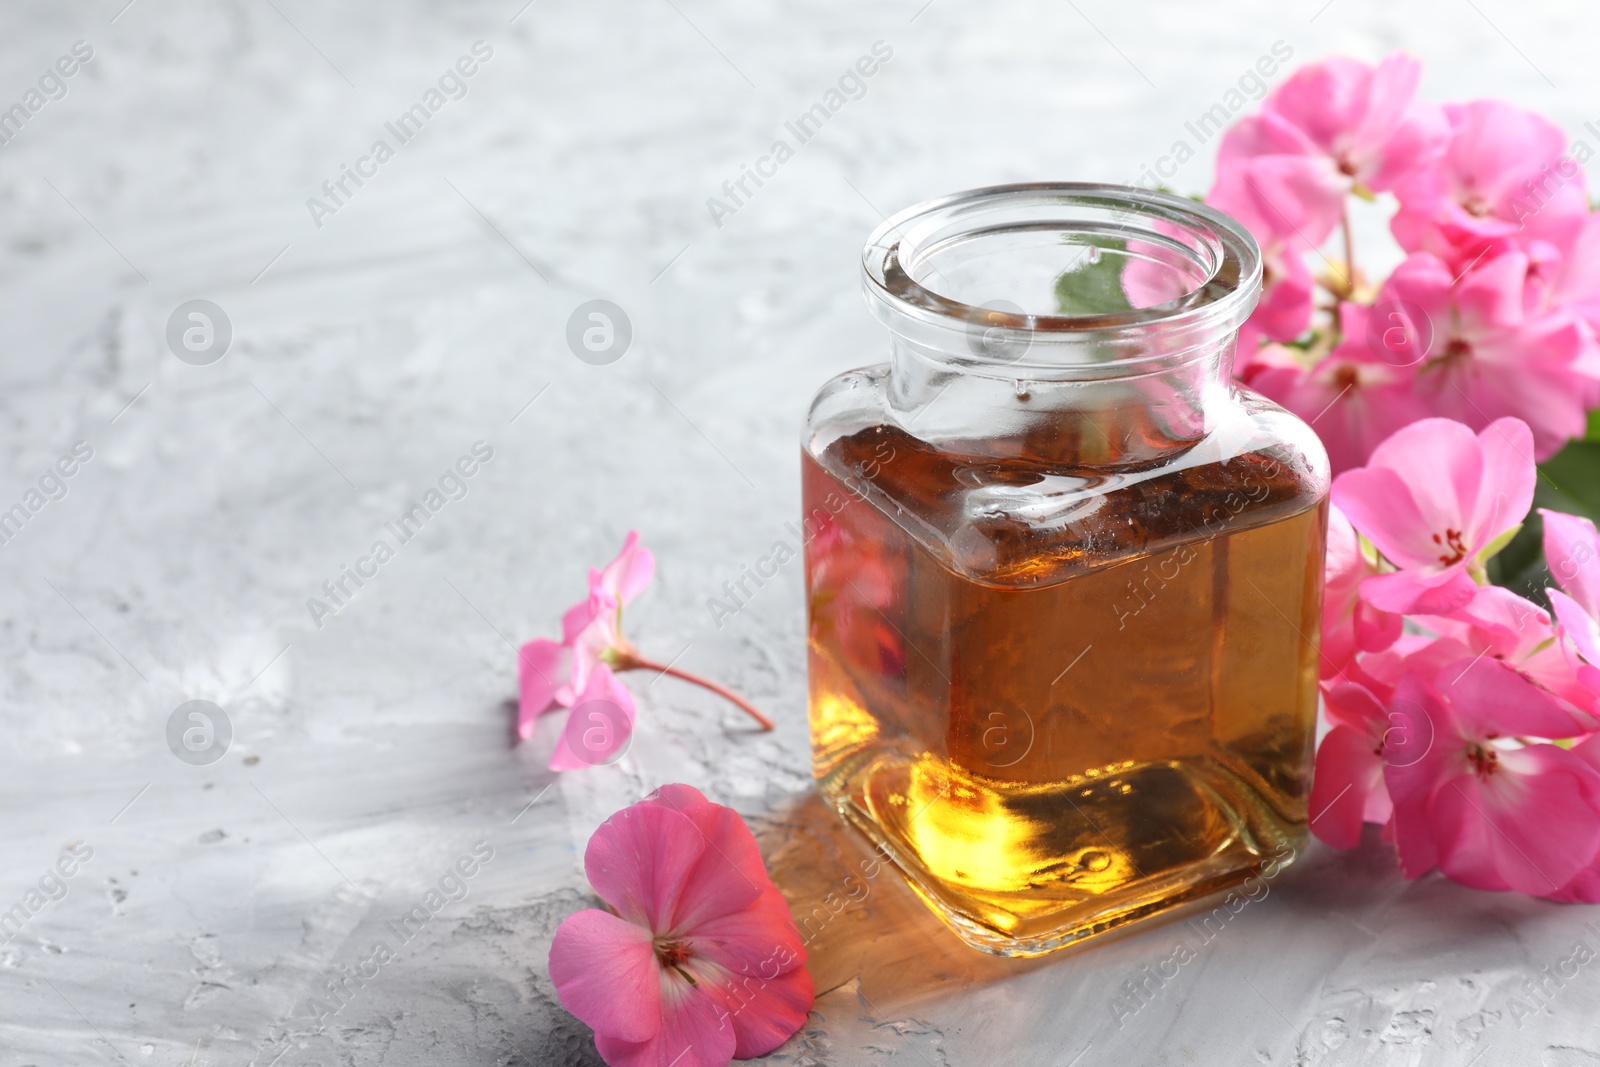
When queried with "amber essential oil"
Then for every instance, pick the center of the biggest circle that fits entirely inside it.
(1058, 724)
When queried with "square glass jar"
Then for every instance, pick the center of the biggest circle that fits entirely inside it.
(1064, 575)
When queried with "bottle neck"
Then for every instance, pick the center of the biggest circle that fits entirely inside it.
(1138, 414)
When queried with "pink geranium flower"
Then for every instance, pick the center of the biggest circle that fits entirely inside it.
(1503, 182)
(697, 962)
(1488, 805)
(1333, 127)
(1365, 121)
(1488, 357)
(1353, 399)
(578, 672)
(552, 674)
(1436, 501)
(1371, 731)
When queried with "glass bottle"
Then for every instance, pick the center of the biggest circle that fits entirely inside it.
(1064, 575)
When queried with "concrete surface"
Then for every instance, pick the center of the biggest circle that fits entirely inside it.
(370, 750)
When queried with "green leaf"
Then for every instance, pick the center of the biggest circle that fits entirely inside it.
(1593, 433)
(1093, 285)
(1520, 565)
(1571, 477)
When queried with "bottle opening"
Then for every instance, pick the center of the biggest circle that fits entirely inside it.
(1053, 270)
(1067, 272)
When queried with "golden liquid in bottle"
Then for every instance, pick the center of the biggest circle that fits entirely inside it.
(1058, 725)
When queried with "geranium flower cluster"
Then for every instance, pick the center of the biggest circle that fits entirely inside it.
(1473, 734)
(1493, 312)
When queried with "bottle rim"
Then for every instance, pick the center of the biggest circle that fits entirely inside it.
(1221, 259)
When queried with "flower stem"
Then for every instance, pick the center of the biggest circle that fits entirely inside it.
(1349, 251)
(633, 661)
(1348, 288)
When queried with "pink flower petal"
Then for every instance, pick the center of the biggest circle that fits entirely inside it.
(1287, 303)
(695, 1032)
(1441, 464)
(1379, 503)
(1411, 592)
(1425, 281)
(1585, 885)
(1572, 550)
(1376, 630)
(1588, 750)
(599, 726)
(1300, 197)
(1354, 704)
(1348, 625)
(1508, 480)
(1393, 84)
(686, 800)
(1535, 373)
(768, 1014)
(1412, 783)
(760, 940)
(1577, 283)
(1327, 99)
(626, 576)
(1578, 626)
(1496, 622)
(1264, 134)
(1349, 774)
(639, 859)
(591, 632)
(1493, 699)
(1490, 295)
(1583, 889)
(578, 618)
(1403, 133)
(1494, 142)
(541, 671)
(729, 875)
(605, 972)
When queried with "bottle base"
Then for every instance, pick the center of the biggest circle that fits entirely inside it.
(1009, 894)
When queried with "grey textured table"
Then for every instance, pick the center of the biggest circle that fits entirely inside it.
(377, 338)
